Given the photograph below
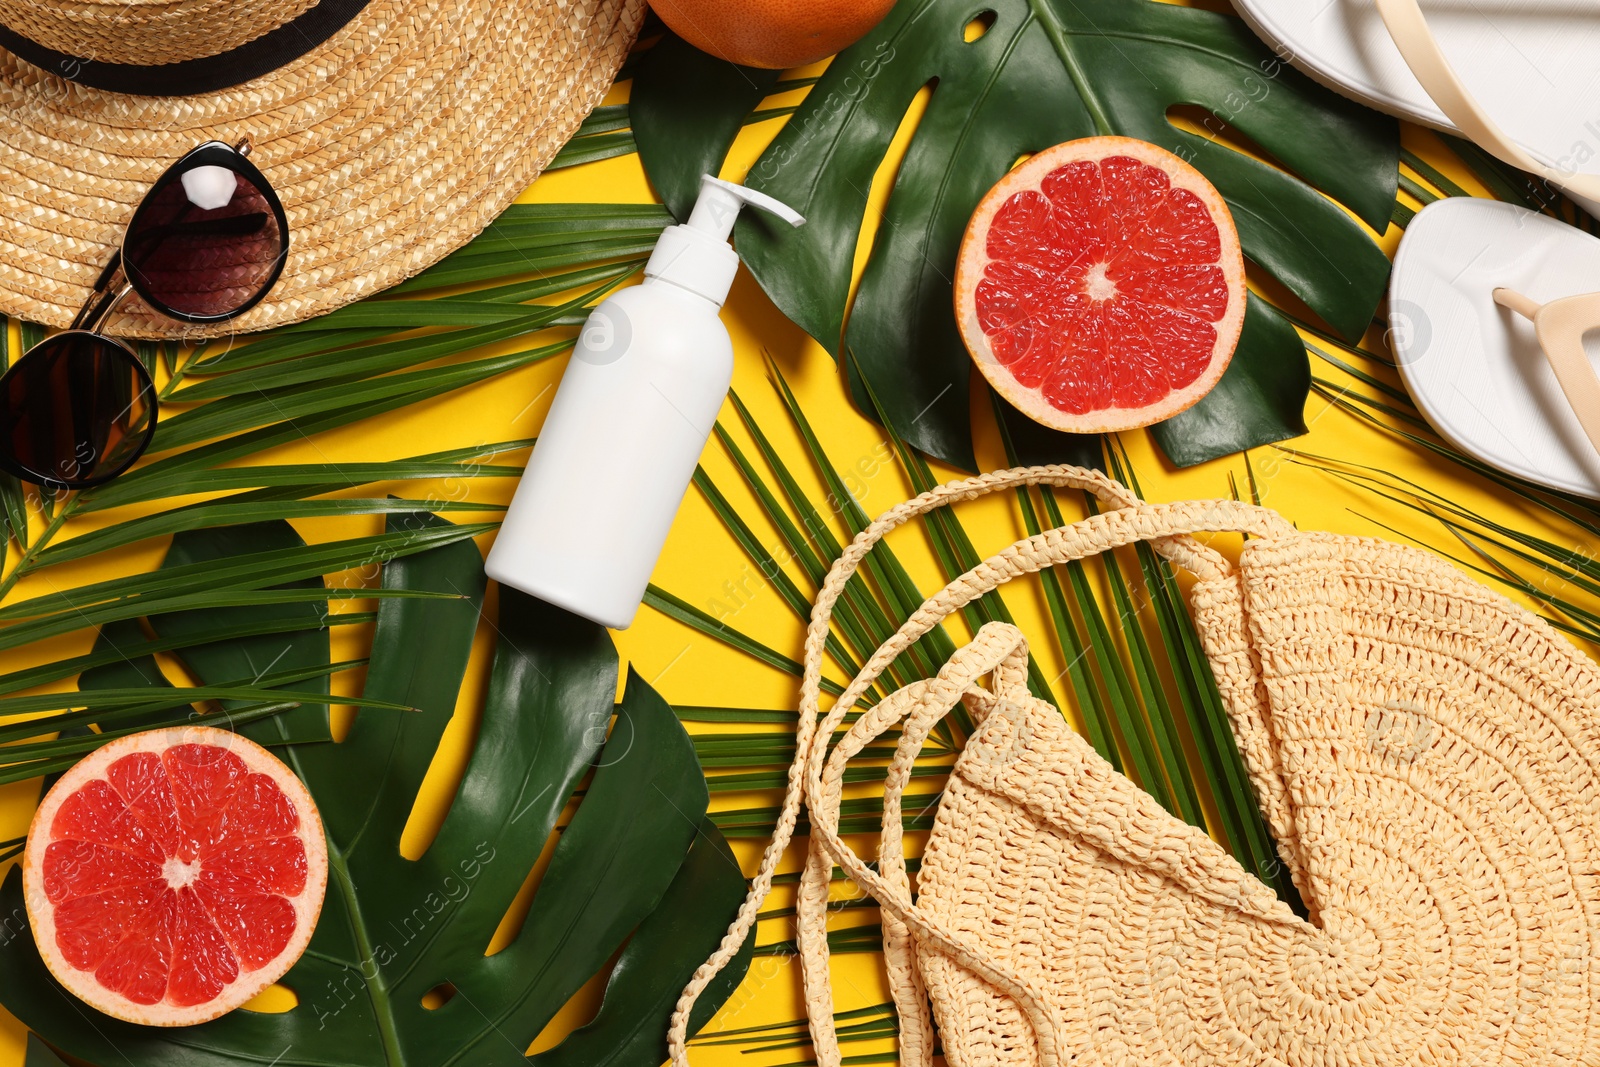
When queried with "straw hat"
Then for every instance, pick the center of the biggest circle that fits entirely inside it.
(393, 130)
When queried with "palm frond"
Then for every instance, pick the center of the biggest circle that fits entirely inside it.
(1130, 710)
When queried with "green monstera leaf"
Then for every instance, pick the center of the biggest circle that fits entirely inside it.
(396, 973)
(39, 1055)
(1009, 78)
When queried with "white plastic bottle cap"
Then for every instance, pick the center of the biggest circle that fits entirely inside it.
(696, 255)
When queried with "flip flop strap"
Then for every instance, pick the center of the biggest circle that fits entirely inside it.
(1427, 61)
(1561, 325)
(1166, 526)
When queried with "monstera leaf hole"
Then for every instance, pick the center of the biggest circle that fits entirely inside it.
(438, 996)
(277, 997)
(980, 25)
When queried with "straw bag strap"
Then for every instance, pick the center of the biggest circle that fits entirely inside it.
(1166, 526)
(998, 649)
(1420, 49)
(920, 705)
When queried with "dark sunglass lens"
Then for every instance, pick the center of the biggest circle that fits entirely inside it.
(76, 410)
(205, 243)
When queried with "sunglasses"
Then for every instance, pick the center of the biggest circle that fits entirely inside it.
(206, 243)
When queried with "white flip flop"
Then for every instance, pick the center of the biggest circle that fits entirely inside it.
(1535, 65)
(1488, 305)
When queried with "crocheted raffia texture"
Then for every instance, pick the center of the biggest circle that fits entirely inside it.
(1426, 753)
(1424, 750)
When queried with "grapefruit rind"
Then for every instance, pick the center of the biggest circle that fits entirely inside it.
(973, 258)
(307, 905)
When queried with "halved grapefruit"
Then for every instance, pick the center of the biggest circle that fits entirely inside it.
(174, 874)
(1100, 285)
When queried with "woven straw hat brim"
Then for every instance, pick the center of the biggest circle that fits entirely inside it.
(391, 145)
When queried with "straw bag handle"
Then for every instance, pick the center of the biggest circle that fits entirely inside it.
(1166, 526)
(998, 649)
(1419, 48)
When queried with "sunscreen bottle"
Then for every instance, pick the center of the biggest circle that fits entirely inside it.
(635, 407)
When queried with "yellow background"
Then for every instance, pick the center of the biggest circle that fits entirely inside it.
(704, 566)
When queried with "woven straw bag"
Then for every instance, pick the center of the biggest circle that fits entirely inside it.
(1425, 752)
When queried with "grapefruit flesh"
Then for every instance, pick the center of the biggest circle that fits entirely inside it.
(1100, 286)
(174, 874)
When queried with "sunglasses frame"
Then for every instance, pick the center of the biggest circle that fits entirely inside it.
(107, 294)
(210, 154)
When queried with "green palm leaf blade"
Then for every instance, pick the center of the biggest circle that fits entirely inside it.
(454, 463)
(393, 929)
(957, 555)
(854, 617)
(255, 570)
(294, 656)
(1113, 674)
(1091, 706)
(604, 141)
(367, 319)
(167, 476)
(127, 670)
(1173, 761)
(768, 566)
(135, 607)
(244, 410)
(14, 505)
(675, 607)
(858, 615)
(134, 644)
(379, 357)
(879, 1020)
(1228, 779)
(543, 238)
(236, 511)
(1047, 71)
(113, 701)
(1506, 182)
(254, 655)
(881, 564)
(230, 354)
(704, 713)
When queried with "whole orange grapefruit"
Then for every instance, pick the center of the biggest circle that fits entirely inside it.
(776, 34)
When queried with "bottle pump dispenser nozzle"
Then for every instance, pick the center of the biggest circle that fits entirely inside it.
(719, 203)
(696, 254)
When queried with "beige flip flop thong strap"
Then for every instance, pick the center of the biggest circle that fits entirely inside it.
(1420, 49)
(1561, 325)
(1166, 526)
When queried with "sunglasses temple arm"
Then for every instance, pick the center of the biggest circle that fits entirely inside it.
(109, 291)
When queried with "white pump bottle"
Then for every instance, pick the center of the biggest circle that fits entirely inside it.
(634, 409)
